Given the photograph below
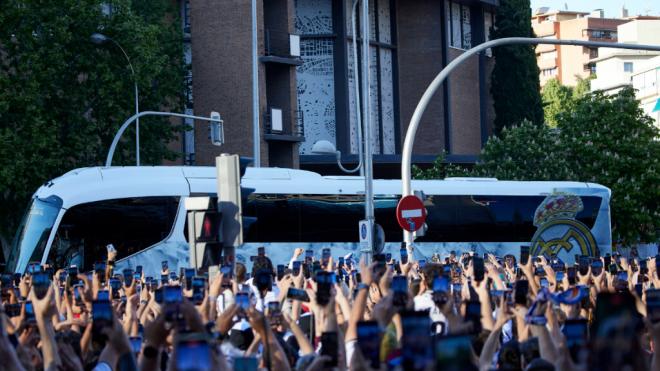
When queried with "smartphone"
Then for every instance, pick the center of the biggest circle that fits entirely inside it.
(583, 265)
(571, 273)
(440, 290)
(243, 301)
(309, 255)
(164, 266)
(524, 254)
(245, 364)
(103, 295)
(454, 352)
(325, 256)
(404, 255)
(296, 268)
(99, 269)
(280, 271)
(128, 277)
(521, 289)
(198, 284)
(559, 276)
(40, 282)
(324, 283)
(172, 294)
(77, 295)
(607, 260)
(136, 343)
(613, 269)
(188, 274)
(576, 333)
(13, 310)
(297, 294)
(329, 347)
(33, 267)
(369, 337)
(416, 344)
(473, 315)
(596, 267)
(72, 276)
(193, 352)
(479, 269)
(261, 251)
(29, 313)
(399, 291)
(158, 295)
(653, 305)
(101, 318)
(115, 285)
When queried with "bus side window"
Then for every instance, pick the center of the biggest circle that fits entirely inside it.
(130, 224)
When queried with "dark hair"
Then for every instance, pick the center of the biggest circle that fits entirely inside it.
(430, 271)
(262, 263)
(240, 272)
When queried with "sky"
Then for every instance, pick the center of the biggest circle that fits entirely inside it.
(612, 7)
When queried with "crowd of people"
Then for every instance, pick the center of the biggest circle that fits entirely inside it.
(459, 312)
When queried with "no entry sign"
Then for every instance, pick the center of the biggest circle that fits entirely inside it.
(410, 213)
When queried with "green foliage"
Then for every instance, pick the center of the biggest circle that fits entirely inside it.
(63, 98)
(440, 169)
(601, 139)
(559, 98)
(515, 79)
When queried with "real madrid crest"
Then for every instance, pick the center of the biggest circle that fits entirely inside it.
(558, 231)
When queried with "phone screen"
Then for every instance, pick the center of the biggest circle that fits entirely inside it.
(242, 300)
(479, 269)
(245, 363)
(29, 313)
(520, 293)
(417, 351)
(280, 271)
(473, 315)
(198, 290)
(136, 344)
(596, 267)
(653, 305)
(297, 294)
(369, 336)
(571, 272)
(329, 348)
(296, 268)
(324, 283)
(454, 351)
(193, 355)
(583, 266)
(41, 282)
(172, 294)
(524, 254)
(103, 295)
(404, 256)
(575, 331)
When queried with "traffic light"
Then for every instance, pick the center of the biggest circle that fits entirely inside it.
(216, 132)
(204, 231)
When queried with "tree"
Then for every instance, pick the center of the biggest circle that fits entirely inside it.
(515, 79)
(556, 98)
(601, 139)
(62, 98)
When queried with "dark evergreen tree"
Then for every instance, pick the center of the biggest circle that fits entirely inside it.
(515, 78)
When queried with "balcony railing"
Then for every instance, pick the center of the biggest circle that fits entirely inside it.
(283, 125)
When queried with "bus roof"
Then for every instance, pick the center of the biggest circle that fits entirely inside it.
(99, 183)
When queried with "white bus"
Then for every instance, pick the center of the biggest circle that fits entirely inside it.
(141, 211)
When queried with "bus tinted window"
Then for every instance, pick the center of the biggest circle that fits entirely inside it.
(130, 224)
(334, 218)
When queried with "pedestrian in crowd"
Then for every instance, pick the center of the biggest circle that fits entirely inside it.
(463, 312)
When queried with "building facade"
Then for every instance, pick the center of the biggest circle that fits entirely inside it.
(568, 63)
(307, 81)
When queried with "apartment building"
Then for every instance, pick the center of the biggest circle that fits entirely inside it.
(307, 83)
(570, 63)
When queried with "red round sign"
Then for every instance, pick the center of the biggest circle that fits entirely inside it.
(411, 213)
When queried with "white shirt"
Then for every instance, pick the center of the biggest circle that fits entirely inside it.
(425, 302)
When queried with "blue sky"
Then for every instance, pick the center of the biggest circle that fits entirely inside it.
(612, 7)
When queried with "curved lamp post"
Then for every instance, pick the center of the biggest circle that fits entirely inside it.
(324, 147)
(100, 39)
(442, 76)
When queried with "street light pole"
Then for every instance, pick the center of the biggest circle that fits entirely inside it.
(99, 39)
(366, 121)
(442, 76)
(124, 126)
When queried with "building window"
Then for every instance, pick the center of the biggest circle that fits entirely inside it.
(548, 72)
(600, 34)
(459, 32)
(628, 67)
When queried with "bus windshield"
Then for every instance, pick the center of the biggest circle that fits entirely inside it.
(32, 236)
